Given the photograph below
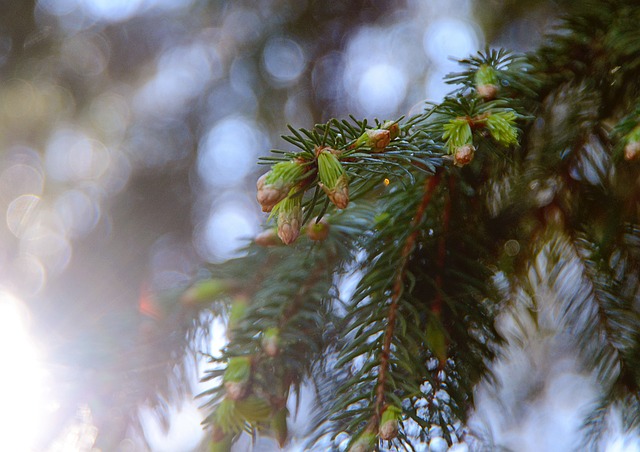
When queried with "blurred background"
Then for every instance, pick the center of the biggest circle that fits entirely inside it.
(129, 134)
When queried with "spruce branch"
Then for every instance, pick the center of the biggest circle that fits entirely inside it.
(428, 213)
(398, 286)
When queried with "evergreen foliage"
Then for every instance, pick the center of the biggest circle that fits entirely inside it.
(529, 167)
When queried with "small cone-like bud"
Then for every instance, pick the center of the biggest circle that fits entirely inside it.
(267, 238)
(632, 146)
(486, 81)
(279, 426)
(632, 151)
(204, 291)
(389, 430)
(318, 230)
(487, 92)
(464, 155)
(275, 185)
(333, 179)
(393, 127)
(289, 230)
(270, 194)
(271, 341)
(289, 220)
(376, 139)
(236, 390)
(236, 377)
(339, 194)
(379, 139)
(389, 424)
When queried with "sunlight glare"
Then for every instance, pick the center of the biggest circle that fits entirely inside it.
(22, 406)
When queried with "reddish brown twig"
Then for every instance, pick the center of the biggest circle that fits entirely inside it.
(398, 286)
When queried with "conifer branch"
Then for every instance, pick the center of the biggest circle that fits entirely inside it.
(398, 287)
(419, 331)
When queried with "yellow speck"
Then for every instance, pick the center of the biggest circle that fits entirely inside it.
(386, 181)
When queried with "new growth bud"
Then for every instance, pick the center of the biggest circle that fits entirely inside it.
(236, 390)
(376, 139)
(486, 81)
(487, 92)
(318, 230)
(632, 151)
(333, 179)
(289, 219)
(339, 194)
(275, 185)
(271, 342)
(393, 127)
(464, 155)
(236, 377)
(270, 194)
(632, 146)
(389, 424)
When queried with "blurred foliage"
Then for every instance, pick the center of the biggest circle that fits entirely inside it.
(105, 112)
(526, 23)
